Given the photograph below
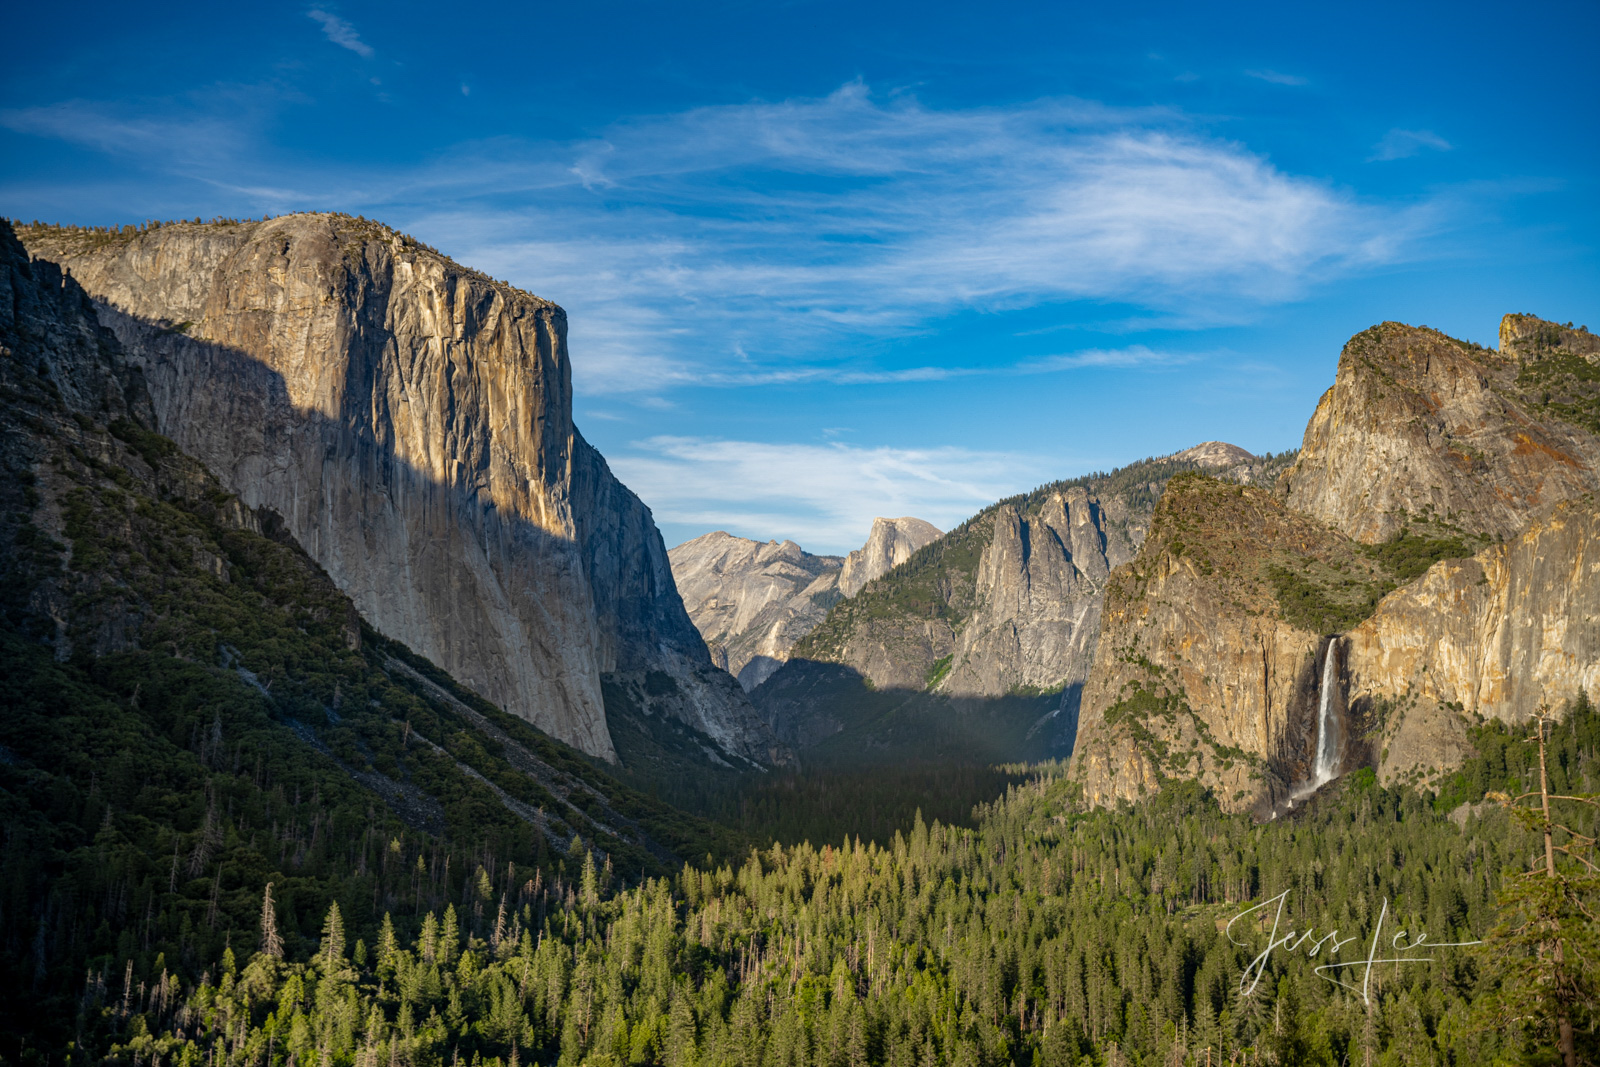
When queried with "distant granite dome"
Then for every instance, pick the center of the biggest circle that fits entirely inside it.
(752, 600)
(891, 543)
(1211, 454)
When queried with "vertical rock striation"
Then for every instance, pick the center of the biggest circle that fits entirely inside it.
(890, 543)
(999, 617)
(1424, 431)
(1038, 587)
(1210, 658)
(411, 420)
(1515, 627)
(752, 601)
(1199, 671)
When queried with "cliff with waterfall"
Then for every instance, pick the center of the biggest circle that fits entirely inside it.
(411, 422)
(1202, 670)
(980, 642)
(1425, 562)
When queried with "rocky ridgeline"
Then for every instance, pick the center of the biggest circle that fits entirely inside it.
(891, 543)
(1422, 428)
(753, 600)
(411, 421)
(1439, 520)
(1005, 605)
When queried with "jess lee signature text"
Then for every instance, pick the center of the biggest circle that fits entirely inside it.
(1404, 946)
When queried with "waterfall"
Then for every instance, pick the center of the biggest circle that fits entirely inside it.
(1327, 762)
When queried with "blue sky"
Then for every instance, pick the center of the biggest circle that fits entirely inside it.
(828, 261)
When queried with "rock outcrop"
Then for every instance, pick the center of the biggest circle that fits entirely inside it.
(1006, 605)
(891, 543)
(1199, 671)
(1215, 639)
(1422, 430)
(1421, 427)
(1037, 592)
(752, 600)
(1233, 463)
(113, 541)
(1515, 627)
(411, 421)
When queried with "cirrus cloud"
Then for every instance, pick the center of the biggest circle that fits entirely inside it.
(1402, 144)
(340, 32)
(776, 241)
(777, 232)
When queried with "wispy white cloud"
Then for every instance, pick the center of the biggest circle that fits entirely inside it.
(780, 228)
(823, 496)
(341, 32)
(774, 242)
(1132, 356)
(1276, 77)
(1402, 144)
(184, 135)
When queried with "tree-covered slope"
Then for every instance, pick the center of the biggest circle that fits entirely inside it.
(189, 709)
(1049, 936)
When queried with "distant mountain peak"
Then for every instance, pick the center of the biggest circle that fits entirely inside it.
(891, 543)
(1215, 454)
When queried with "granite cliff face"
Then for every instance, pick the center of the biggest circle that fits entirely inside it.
(113, 541)
(1200, 672)
(1498, 635)
(752, 600)
(1421, 430)
(1007, 605)
(1037, 591)
(1421, 427)
(1214, 649)
(48, 329)
(891, 543)
(411, 421)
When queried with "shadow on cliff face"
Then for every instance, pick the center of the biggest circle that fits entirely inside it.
(834, 718)
(534, 619)
(1290, 769)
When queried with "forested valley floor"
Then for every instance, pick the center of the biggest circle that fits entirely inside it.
(1045, 935)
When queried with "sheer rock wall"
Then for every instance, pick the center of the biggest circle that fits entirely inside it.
(1419, 425)
(889, 544)
(411, 420)
(1198, 672)
(1515, 627)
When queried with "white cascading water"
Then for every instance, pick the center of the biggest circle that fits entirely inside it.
(1327, 762)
